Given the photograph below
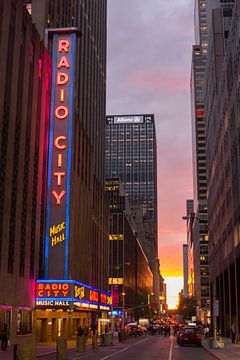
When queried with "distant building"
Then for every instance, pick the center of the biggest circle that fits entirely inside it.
(131, 156)
(130, 276)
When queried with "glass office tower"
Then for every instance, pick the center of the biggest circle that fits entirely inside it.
(131, 156)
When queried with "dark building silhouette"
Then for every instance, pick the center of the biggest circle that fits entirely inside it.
(130, 276)
(24, 110)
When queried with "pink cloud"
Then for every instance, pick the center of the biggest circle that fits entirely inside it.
(150, 79)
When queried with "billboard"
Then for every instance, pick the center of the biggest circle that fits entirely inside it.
(60, 156)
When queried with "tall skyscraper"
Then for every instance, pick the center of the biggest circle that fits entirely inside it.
(222, 139)
(131, 156)
(201, 230)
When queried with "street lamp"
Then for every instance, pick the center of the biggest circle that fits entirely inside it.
(123, 302)
(193, 217)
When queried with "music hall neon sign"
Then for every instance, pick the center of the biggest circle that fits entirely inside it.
(59, 162)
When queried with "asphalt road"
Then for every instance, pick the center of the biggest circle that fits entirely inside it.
(142, 348)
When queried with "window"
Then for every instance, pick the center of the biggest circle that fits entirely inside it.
(24, 322)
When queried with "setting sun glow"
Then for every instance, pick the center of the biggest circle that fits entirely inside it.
(174, 286)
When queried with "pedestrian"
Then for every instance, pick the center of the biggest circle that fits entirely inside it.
(168, 330)
(233, 333)
(4, 338)
(206, 331)
(80, 331)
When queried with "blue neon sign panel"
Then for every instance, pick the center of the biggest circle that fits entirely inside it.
(60, 157)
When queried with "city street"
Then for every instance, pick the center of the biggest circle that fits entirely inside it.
(148, 347)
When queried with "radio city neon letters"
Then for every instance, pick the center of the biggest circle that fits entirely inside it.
(60, 155)
(61, 113)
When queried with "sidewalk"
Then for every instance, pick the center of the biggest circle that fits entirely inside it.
(230, 351)
(44, 349)
(40, 351)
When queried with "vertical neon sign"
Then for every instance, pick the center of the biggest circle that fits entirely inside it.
(60, 156)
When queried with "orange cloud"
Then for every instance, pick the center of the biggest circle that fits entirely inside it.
(148, 78)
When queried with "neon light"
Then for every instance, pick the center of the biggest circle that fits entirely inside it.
(70, 290)
(62, 95)
(56, 229)
(63, 63)
(71, 104)
(71, 300)
(59, 160)
(56, 142)
(61, 112)
(61, 81)
(67, 281)
(50, 159)
(62, 100)
(59, 176)
(63, 45)
(58, 197)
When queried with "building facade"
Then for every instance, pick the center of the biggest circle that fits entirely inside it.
(199, 227)
(24, 114)
(77, 216)
(185, 270)
(130, 276)
(222, 113)
(131, 156)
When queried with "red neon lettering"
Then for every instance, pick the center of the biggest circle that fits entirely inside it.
(63, 63)
(93, 295)
(56, 142)
(40, 293)
(62, 78)
(62, 95)
(58, 197)
(63, 45)
(103, 298)
(63, 109)
(59, 177)
(65, 286)
(40, 286)
(59, 160)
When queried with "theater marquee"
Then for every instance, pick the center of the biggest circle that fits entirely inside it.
(70, 293)
(60, 156)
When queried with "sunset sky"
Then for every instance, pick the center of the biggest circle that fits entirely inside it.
(149, 61)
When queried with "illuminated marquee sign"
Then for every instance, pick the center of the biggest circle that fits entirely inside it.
(65, 293)
(59, 162)
(53, 290)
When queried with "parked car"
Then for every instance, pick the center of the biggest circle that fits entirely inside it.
(178, 332)
(189, 335)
